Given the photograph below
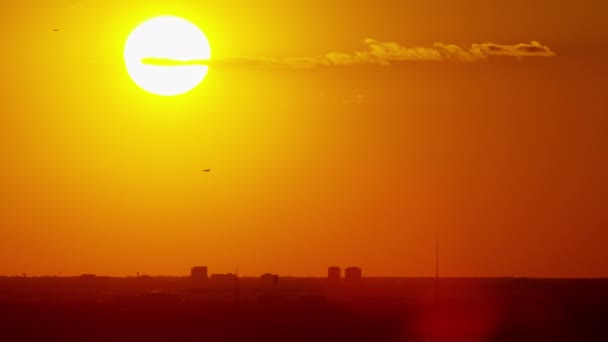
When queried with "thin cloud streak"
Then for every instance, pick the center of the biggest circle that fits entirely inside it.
(378, 53)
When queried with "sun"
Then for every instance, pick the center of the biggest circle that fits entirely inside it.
(167, 38)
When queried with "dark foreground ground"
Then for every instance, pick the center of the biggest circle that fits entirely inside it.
(376, 309)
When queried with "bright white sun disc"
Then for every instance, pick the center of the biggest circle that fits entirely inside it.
(169, 38)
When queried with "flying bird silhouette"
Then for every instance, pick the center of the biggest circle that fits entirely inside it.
(207, 170)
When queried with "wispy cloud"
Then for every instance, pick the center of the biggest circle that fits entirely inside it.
(380, 53)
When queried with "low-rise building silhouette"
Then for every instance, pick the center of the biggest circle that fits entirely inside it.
(352, 274)
(228, 280)
(223, 276)
(270, 280)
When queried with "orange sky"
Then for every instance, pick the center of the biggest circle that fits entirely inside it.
(504, 159)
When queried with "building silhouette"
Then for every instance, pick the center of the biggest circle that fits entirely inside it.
(227, 280)
(334, 273)
(270, 280)
(352, 274)
(198, 274)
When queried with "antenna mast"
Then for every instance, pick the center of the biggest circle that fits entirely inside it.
(437, 267)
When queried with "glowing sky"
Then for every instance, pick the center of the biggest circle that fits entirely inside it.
(359, 163)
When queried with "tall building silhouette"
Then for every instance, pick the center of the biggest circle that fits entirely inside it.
(352, 274)
(198, 274)
(334, 273)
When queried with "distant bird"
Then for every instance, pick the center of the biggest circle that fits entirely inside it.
(207, 170)
(56, 30)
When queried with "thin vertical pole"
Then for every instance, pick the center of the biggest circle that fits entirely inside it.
(437, 267)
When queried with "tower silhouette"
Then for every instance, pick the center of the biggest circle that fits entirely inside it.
(436, 267)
